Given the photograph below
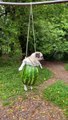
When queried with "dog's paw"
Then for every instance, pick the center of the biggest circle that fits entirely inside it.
(19, 69)
(31, 87)
(41, 66)
(25, 88)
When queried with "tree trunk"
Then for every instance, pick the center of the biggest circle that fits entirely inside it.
(22, 41)
(0, 51)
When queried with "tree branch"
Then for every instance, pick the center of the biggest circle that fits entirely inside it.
(34, 3)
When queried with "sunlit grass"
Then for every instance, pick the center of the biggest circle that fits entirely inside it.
(58, 94)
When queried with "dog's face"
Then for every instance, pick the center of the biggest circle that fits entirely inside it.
(37, 55)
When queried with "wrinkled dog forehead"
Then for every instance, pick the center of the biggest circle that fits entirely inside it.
(38, 54)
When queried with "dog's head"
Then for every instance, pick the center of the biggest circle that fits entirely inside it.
(37, 55)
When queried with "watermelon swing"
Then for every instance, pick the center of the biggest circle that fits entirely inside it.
(29, 73)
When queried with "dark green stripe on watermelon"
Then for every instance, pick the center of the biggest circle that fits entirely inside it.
(29, 75)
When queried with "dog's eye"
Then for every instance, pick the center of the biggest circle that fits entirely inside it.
(37, 55)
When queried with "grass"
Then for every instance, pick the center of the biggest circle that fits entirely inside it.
(11, 85)
(66, 67)
(44, 74)
(58, 94)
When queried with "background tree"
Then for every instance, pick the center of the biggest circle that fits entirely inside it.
(51, 29)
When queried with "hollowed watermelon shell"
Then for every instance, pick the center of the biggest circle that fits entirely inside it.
(29, 75)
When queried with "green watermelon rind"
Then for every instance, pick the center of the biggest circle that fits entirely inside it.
(29, 75)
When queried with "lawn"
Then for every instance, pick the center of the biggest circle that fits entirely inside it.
(66, 67)
(11, 85)
(58, 94)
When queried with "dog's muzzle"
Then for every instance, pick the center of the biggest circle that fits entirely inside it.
(42, 58)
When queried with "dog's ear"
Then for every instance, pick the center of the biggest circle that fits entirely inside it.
(37, 55)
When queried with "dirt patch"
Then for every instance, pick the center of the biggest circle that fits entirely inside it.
(33, 108)
(58, 69)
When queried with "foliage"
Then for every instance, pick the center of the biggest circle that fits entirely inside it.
(51, 28)
(53, 31)
(58, 94)
(11, 84)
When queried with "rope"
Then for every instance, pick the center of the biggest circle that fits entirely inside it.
(28, 37)
(30, 18)
(33, 30)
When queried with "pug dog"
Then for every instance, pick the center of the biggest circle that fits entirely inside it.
(33, 60)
